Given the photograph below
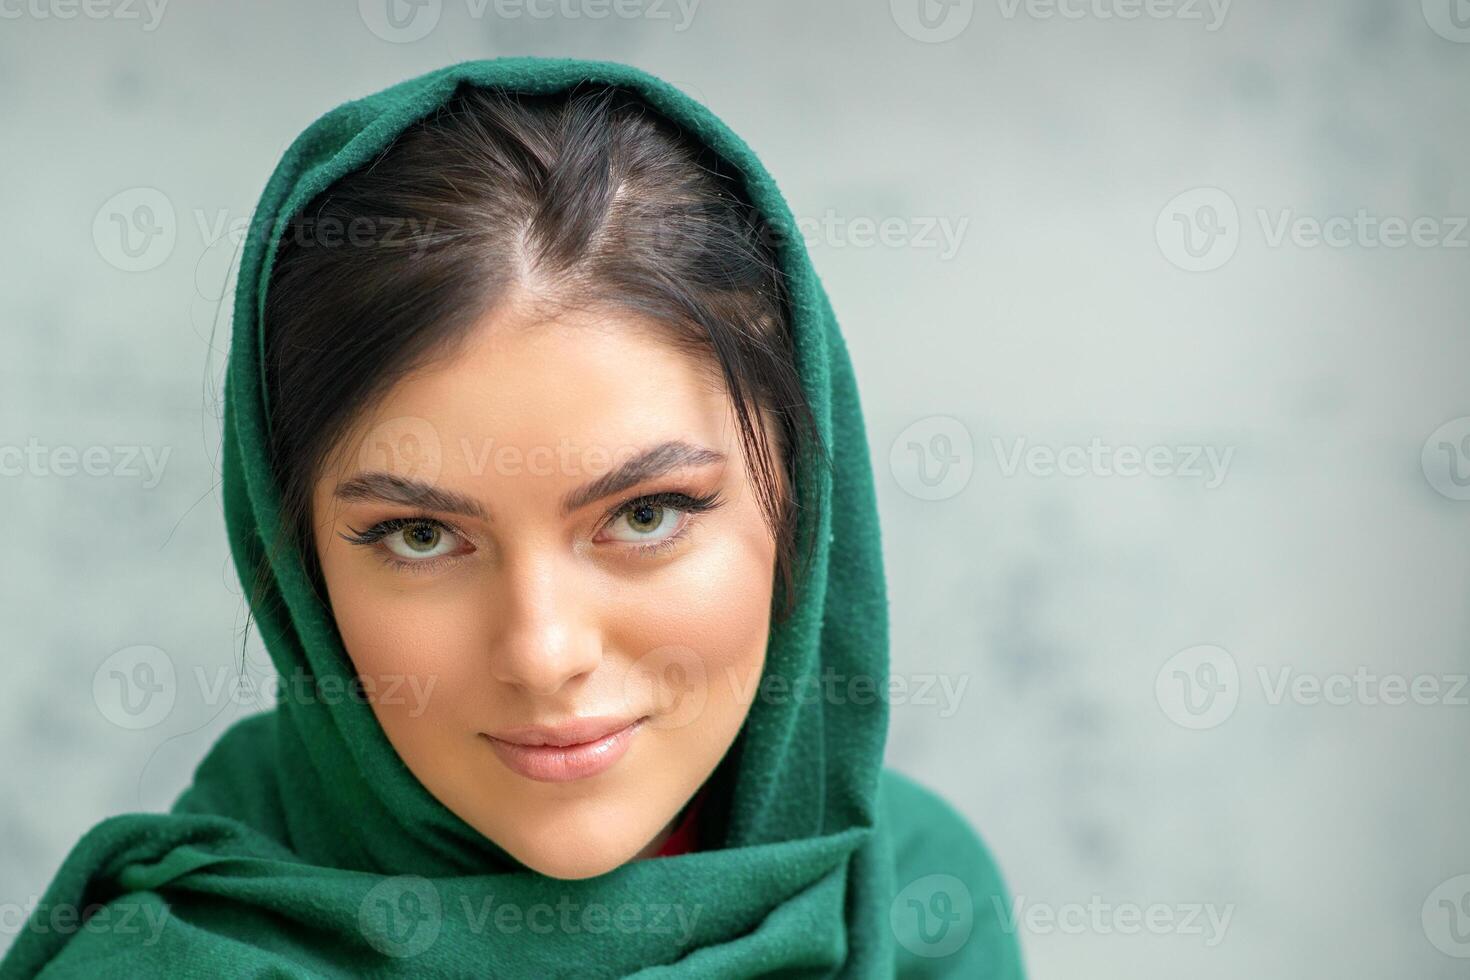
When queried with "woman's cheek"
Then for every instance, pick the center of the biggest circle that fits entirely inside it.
(704, 637)
(418, 649)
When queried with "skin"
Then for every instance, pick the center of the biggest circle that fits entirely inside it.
(529, 615)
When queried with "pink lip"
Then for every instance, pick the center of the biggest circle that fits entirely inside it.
(576, 750)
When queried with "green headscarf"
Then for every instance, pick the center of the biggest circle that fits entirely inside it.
(306, 847)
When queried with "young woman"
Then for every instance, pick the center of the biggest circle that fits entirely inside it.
(545, 469)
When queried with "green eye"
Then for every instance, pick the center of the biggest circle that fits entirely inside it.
(644, 521)
(655, 521)
(421, 537)
(419, 540)
(412, 540)
(645, 517)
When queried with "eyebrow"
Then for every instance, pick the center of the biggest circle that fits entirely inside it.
(651, 463)
(394, 489)
(647, 465)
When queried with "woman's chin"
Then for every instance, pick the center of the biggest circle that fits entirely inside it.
(571, 860)
(571, 852)
(575, 869)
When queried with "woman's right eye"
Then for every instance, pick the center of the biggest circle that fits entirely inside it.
(410, 540)
(421, 541)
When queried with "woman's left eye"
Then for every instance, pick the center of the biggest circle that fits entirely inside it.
(657, 519)
(647, 522)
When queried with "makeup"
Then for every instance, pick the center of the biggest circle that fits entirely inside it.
(559, 605)
(565, 753)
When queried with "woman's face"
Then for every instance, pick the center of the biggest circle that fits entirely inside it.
(548, 547)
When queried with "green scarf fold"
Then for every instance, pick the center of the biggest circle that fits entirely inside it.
(305, 847)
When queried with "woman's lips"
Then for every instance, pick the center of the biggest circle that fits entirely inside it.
(555, 755)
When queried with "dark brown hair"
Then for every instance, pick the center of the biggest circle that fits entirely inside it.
(590, 197)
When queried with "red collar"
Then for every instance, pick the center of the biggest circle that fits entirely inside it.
(685, 838)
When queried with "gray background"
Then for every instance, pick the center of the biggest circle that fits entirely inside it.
(1057, 146)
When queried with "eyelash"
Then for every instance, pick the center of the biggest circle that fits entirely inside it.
(691, 504)
(382, 529)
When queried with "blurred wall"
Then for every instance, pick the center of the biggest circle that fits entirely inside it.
(1158, 313)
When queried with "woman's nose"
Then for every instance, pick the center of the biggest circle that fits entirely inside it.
(546, 633)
